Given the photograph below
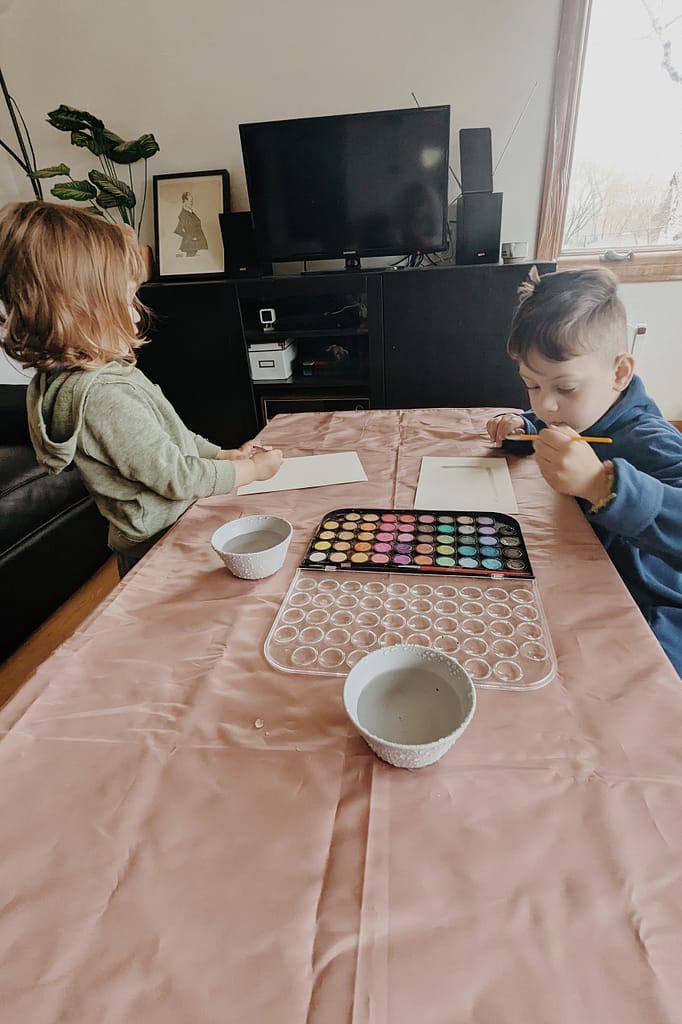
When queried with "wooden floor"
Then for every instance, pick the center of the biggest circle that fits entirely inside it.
(55, 630)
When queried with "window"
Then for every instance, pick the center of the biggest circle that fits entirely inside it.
(613, 176)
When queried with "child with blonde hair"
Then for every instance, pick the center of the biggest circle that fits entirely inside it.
(68, 309)
(569, 339)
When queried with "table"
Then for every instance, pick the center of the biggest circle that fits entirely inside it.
(164, 860)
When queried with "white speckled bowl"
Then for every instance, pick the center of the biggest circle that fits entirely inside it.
(254, 546)
(410, 703)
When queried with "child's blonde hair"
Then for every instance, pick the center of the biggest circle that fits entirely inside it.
(567, 314)
(67, 279)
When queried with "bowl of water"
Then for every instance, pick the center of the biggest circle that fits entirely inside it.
(410, 703)
(254, 546)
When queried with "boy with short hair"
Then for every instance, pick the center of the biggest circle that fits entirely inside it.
(569, 338)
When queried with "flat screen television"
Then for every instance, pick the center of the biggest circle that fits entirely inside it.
(349, 185)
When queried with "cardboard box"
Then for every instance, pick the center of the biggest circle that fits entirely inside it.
(271, 360)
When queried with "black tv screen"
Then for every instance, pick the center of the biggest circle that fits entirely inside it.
(349, 185)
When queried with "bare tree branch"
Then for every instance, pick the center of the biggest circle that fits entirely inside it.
(659, 30)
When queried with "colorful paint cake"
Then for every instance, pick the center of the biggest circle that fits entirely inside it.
(403, 540)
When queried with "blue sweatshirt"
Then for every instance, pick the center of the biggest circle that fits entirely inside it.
(641, 528)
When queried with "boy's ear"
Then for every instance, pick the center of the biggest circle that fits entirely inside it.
(623, 370)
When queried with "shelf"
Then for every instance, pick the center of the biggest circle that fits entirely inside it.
(330, 332)
(327, 382)
(334, 322)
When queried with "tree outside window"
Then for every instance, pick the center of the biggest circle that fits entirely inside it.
(613, 181)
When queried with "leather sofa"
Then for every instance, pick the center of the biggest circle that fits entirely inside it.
(52, 538)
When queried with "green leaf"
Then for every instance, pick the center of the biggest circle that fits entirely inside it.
(95, 142)
(50, 172)
(78, 191)
(112, 192)
(148, 146)
(124, 153)
(110, 199)
(111, 138)
(68, 119)
(138, 149)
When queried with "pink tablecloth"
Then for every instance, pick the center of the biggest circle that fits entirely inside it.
(163, 860)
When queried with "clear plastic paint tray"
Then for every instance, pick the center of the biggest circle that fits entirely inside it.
(495, 628)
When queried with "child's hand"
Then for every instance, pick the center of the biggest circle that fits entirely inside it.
(245, 451)
(568, 466)
(267, 463)
(249, 448)
(260, 466)
(500, 427)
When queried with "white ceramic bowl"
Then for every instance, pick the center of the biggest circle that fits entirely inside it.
(254, 546)
(410, 703)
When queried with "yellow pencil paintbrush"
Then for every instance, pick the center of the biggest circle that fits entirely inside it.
(579, 437)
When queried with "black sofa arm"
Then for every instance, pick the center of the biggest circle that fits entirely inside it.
(13, 421)
(52, 538)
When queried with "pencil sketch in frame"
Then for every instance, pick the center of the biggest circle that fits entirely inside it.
(187, 233)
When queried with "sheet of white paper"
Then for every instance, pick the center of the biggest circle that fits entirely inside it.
(310, 471)
(465, 484)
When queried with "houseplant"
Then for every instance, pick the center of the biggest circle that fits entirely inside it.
(26, 156)
(106, 192)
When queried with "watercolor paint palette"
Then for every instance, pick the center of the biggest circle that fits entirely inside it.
(495, 628)
(483, 544)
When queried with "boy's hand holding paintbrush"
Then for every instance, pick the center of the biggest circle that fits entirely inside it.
(569, 468)
(510, 428)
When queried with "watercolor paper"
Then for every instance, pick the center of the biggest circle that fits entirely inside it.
(310, 471)
(467, 484)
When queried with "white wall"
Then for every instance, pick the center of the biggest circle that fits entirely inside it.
(190, 73)
(659, 352)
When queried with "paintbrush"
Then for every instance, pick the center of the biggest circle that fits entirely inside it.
(579, 437)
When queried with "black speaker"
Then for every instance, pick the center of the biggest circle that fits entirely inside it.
(239, 242)
(476, 159)
(478, 227)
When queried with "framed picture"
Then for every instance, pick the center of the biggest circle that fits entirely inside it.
(187, 235)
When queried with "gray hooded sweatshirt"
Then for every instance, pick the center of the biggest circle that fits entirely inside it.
(135, 455)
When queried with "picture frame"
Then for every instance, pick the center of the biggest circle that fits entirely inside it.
(187, 235)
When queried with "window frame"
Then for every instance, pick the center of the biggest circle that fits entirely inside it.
(660, 264)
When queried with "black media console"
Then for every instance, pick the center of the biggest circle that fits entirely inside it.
(395, 339)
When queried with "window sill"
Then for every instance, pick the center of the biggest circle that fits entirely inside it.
(646, 265)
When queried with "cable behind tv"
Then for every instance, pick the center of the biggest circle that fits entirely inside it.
(516, 124)
(507, 143)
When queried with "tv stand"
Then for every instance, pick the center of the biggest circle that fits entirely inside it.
(373, 338)
(352, 264)
(340, 271)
